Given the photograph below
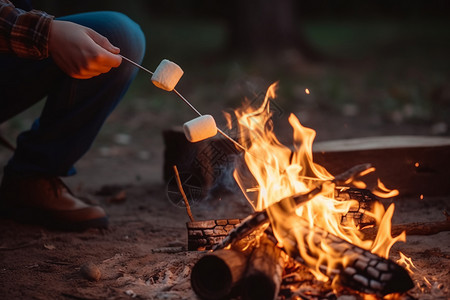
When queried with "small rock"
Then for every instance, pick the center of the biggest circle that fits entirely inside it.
(144, 155)
(122, 139)
(131, 293)
(350, 110)
(90, 272)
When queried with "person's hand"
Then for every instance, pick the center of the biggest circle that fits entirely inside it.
(80, 51)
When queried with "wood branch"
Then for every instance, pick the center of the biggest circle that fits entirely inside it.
(183, 194)
(217, 274)
(418, 228)
(264, 272)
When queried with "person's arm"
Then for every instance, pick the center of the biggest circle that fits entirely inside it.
(24, 34)
(77, 50)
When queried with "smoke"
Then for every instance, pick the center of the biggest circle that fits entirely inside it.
(224, 198)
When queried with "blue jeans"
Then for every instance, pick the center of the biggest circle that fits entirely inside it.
(75, 109)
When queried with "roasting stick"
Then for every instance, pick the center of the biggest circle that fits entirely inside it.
(187, 102)
(136, 64)
(218, 129)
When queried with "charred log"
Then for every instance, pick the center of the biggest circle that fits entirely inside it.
(363, 271)
(365, 202)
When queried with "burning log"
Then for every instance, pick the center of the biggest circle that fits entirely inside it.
(257, 220)
(361, 270)
(357, 214)
(217, 274)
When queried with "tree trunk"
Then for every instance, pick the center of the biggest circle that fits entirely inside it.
(267, 26)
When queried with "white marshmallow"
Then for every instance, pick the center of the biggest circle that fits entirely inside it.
(167, 75)
(200, 128)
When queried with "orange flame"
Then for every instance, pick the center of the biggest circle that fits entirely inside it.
(279, 171)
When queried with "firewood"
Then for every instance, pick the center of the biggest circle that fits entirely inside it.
(363, 270)
(216, 275)
(264, 272)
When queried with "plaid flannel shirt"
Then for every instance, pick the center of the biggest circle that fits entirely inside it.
(24, 33)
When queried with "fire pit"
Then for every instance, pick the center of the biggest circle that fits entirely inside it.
(253, 267)
(303, 216)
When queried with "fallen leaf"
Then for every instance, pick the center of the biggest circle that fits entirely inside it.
(49, 247)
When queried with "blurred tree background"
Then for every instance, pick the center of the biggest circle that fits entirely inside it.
(372, 67)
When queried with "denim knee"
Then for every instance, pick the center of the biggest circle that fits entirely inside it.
(120, 30)
(130, 37)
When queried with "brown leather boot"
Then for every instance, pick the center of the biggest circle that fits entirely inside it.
(48, 201)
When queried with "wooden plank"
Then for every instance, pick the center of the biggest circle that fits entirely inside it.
(415, 165)
(381, 142)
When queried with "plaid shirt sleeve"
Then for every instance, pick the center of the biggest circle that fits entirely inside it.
(24, 33)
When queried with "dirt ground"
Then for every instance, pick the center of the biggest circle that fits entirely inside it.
(37, 263)
(123, 173)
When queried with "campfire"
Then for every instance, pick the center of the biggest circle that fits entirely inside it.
(305, 219)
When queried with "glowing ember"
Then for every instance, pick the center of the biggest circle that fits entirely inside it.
(280, 172)
(307, 91)
(406, 262)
